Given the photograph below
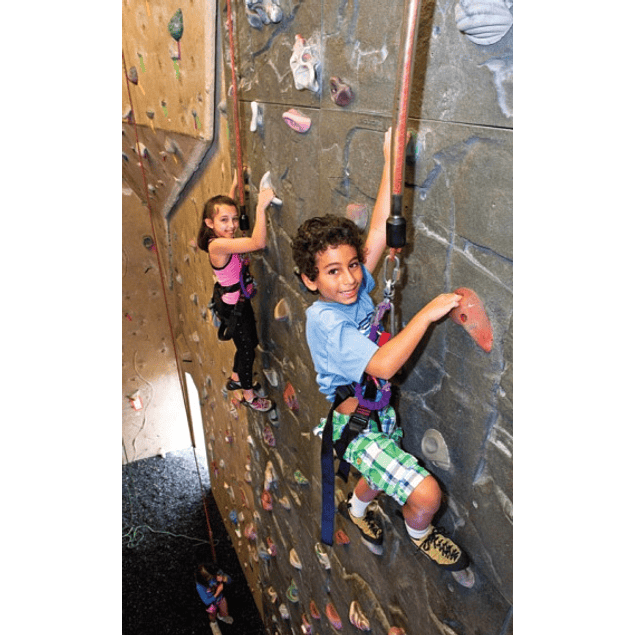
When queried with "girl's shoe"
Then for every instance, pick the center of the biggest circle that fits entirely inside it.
(259, 404)
(235, 385)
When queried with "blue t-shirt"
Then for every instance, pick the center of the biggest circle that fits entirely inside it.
(337, 335)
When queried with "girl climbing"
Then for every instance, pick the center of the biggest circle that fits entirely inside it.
(233, 290)
(210, 590)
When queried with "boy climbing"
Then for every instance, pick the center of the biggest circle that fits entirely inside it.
(335, 263)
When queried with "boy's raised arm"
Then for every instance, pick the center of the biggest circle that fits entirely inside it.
(376, 240)
(390, 357)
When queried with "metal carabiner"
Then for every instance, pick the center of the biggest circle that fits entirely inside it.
(389, 287)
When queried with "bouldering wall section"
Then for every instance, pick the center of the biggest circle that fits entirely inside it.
(316, 81)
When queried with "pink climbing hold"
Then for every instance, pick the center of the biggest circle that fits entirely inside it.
(470, 314)
(296, 120)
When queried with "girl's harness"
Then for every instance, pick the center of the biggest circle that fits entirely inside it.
(247, 286)
(372, 394)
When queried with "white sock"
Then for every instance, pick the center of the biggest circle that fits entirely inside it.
(358, 507)
(417, 534)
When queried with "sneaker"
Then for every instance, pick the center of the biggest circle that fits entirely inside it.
(258, 404)
(228, 619)
(372, 533)
(441, 550)
(235, 385)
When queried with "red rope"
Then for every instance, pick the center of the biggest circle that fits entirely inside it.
(239, 150)
(165, 298)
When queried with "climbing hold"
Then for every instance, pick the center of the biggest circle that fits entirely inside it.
(435, 449)
(284, 501)
(292, 592)
(267, 435)
(322, 556)
(357, 617)
(313, 609)
(265, 184)
(296, 120)
(483, 22)
(470, 314)
(272, 376)
(250, 532)
(290, 397)
(273, 551)
(281, 311)
(272, 415)
(133, 76)
(263, 554)
(294, 559)
(142, 151)
(284, 611)
(233, 516)
(341, 538)
(273, 596)
(396, 630)
(256, 117)
(148, 243)
(358, 213)
(333, 616)
(175, 27)
(135, 400)
(300, 479)
(306, 625)
(266, 500)
(271, 479)
(341, 93)
(304, 65)
(465, 577)
(127, 115)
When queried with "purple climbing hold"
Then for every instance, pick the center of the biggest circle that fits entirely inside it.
(341, 93)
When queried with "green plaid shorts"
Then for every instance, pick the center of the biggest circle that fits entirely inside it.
(378, 456)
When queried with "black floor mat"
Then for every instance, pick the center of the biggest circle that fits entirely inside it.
(165, 537)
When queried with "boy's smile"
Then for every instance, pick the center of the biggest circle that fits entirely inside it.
(339, 274)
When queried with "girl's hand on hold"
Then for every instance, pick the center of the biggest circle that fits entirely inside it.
(441, 305)
(265, 197)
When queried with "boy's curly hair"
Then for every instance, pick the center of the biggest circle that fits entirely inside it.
(318, 234)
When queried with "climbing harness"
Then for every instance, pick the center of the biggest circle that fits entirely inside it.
(247, 287)
(372, 395)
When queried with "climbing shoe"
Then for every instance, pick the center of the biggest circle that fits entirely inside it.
(441, 550)
(372, 533)
(258, 404)
(235, 385)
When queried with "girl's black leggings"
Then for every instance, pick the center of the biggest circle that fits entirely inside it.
(246, 340)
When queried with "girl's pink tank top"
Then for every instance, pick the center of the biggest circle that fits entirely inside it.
(228, 275)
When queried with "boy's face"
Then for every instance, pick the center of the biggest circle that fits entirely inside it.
(339, 274)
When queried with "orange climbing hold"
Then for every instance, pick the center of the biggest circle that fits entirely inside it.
(470, 314)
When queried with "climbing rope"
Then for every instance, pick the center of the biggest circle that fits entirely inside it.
(167, 308)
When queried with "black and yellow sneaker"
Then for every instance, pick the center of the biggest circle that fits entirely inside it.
(372, 533)
(441, 550)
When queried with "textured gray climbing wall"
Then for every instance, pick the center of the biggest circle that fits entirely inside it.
(454, 398)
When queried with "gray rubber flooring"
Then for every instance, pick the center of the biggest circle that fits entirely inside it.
(165, 538)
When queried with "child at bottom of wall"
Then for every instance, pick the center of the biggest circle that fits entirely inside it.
(210, 589)
(335, 263)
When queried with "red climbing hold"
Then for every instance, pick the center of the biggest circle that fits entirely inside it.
(470, 314)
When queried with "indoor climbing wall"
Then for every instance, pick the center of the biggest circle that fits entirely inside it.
(316, 82)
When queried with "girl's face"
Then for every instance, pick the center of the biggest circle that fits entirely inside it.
(225, 221)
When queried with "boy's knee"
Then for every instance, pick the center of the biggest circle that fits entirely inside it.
(427, 495)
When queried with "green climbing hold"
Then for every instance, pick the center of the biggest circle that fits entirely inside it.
(175, 25)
